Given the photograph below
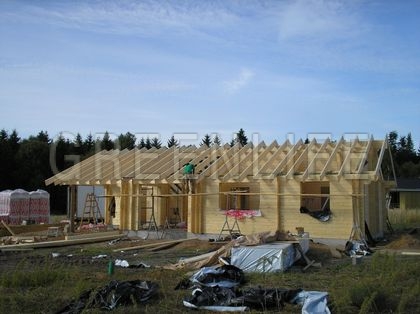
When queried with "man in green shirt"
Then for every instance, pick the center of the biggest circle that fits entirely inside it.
(189, 177)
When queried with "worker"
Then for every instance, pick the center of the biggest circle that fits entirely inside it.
(189, 177)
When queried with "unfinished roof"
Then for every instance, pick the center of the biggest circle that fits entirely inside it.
(356, 159)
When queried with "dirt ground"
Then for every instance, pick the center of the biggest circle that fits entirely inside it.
(99, 254)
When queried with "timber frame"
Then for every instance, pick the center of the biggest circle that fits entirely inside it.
(352, 171)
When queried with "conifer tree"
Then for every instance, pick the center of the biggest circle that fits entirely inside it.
(241, 138)
(206, 141)
(172, 142)
(155, 142)
(217, 141)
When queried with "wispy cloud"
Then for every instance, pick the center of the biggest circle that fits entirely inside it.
(318, 20)
(234, 85)
(149, 18)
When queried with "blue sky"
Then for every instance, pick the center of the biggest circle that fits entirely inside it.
(274, 68)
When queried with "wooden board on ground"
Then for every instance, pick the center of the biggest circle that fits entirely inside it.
(150, 245)
(8, 228)
(90, 235)
(59, 243)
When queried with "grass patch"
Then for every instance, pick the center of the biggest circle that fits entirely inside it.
(380, 284)
(402, 219)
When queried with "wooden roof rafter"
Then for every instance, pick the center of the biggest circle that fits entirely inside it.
(213, 156)
(347, 157)
(237, 150)
(152, 163)
(275, 157)
(215, 163)
(148, 157)
(365, 157)
(158, 171)
(299, 160)
(257, 157)
(88, 167)
(378, 172)
(200, 157)
(331, 158)
(235, 172)
(286, 159)
(60, 177)
(110, 168)
(312, 162)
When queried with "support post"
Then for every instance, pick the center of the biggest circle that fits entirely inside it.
(73, 206)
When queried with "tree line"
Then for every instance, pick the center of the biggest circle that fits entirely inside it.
(27, 162)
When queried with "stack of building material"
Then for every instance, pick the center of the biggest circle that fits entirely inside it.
(19, 205)
(5, 205)
(39, 206)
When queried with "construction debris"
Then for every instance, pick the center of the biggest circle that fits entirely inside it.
(151, 245)
(113, 295)
(217, 289)
(92, 238)
(8, 228)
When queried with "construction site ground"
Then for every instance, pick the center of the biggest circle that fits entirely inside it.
(89, 264)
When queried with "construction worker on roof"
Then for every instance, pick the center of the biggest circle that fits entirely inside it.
(189, 177)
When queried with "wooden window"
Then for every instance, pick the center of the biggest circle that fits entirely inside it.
(238, 199)
(317, 196)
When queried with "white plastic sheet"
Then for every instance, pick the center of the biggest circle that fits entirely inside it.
(313, 302)
(263, 258)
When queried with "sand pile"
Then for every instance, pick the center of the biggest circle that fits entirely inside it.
(406, 241)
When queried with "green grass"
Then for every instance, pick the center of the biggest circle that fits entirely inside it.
(380, 284)
(402, 219)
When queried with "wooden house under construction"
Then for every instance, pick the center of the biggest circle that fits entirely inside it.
(332, 189)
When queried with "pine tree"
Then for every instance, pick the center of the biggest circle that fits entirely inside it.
(89, 145)
(127, 140)
(206, 140)
(148, 143)
(106, 142)
(43, 137)
(410, 144)
(217, 141)
(172, 142)
(142, 143)
(155, 142)
(241, 138)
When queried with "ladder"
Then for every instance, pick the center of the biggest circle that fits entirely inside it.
(152, 225)
(91, 211)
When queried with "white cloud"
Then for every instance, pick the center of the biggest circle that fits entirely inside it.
(239, 82)
(148, 18)
(317, 20)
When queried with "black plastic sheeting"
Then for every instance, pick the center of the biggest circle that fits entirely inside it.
(222, 299)
(321, 215)
(217, 289)
(114, 294)
(257, 298)
(225, 276)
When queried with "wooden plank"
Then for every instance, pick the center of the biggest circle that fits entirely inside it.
(90, 235)
(58, 243)
(150, 245)
(8, 228)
